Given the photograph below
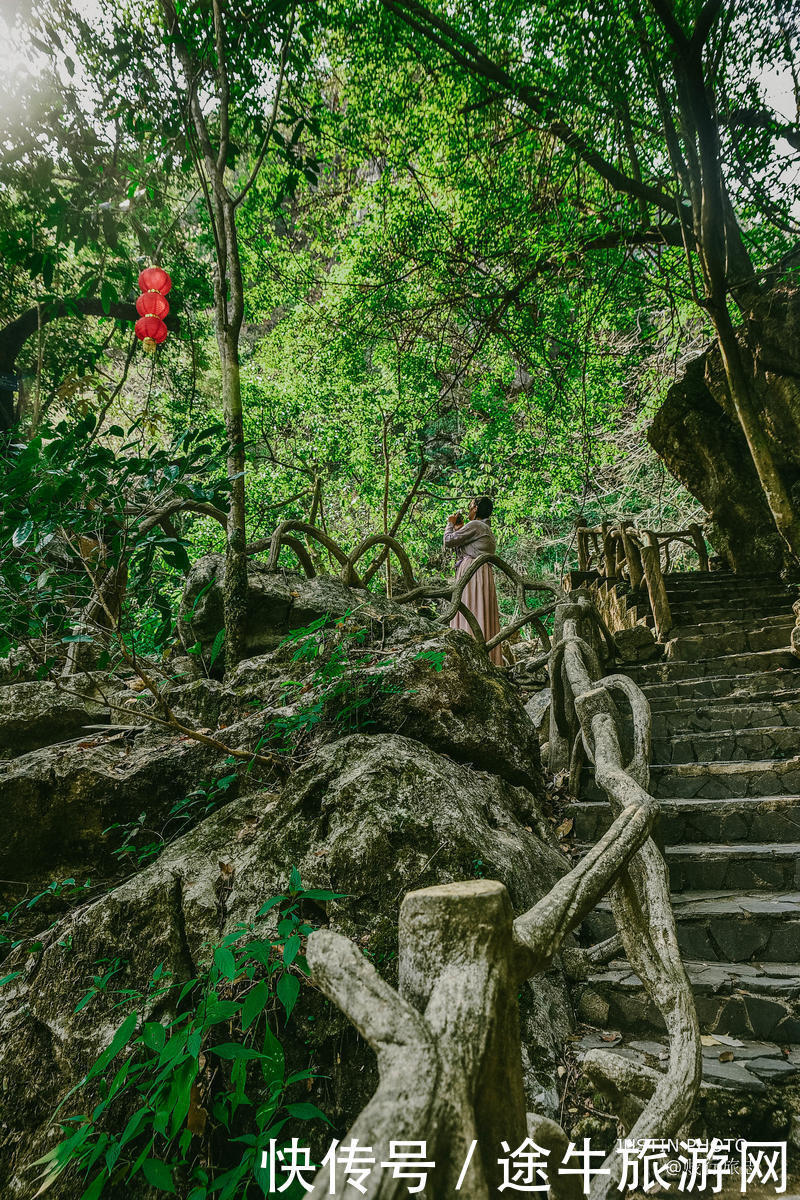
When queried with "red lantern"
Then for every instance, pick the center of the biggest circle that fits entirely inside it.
(154, 279)
(152, 308)
(151, 331)
(152, 304)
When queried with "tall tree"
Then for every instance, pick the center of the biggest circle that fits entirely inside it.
(651, 98)
(202, 87)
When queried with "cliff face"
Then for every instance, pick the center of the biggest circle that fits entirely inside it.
(697, 435)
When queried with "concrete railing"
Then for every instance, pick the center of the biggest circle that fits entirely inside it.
(624, 552)
(447, 1039)
(415, 592)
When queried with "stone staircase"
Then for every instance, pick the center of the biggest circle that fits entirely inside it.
(725, 700)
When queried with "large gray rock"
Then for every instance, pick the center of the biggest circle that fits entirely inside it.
(17, 665)
(443, 690)
(370, 817)
(637, 644)
(439, 688)
(279, 603)
(698, 435)
(538, 710)
(56, 802)
(36, 714)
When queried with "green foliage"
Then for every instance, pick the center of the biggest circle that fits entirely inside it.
(76, 509)
(15, 922)
(140, 844)
(348, 673)
(212, 1073)
(434, 658)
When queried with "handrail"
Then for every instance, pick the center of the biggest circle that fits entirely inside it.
(623, 552)
(452, 1029)
(452, 589)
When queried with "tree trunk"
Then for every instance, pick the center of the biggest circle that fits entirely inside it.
(235, 593)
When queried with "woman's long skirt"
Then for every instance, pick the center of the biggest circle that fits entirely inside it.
(480, 597)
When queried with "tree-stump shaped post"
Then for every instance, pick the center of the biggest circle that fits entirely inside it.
(449, 1051)
(699, 545)
(456, 966)
(659, 603)
(609, 552)
(583, 544)
(632, 555)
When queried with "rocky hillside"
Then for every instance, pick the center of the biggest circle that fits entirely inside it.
(372, 753)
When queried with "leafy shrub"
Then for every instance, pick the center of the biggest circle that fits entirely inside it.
(172, 1101)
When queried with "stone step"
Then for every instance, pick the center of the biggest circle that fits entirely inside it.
(750, 589)
(713, 780)
(754, 1068)
(702, 645)
(701, 583)
(682, 821)
(752, 866)
(684, 616)
(742, 1000)
(728, 745)
(689, 717)
(734, 604)
(704, 628)
(750, 663)
(755, 683)
(723, 575)
(755, 867)
(724, 926)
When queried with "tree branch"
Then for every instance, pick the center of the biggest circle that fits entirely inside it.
(273, 116)
(755, 118)
(468, 55)
(666, 15)
(17, 332)
(705, 23)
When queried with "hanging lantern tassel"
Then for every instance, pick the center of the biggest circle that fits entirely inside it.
(152, 306)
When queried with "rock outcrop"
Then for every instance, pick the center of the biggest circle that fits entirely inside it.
(35, 714)
(278, 603)
(413, 762)
(697, 435)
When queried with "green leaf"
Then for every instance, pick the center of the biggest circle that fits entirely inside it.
(323, 894)
(291, 949)
(95, 1188)
(21, 534)
(120, 1039)
(232, 1050)
(221, 1010)
(226, 963)
(216, 647)
(306, 1112)
(158, 1175)
(8, 978)
(288, 990)
(107, 296)
(90, 995)
(273, 1062)
(254, 1003)
(154, 1035)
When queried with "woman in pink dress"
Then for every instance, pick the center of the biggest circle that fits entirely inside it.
(479, 596)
